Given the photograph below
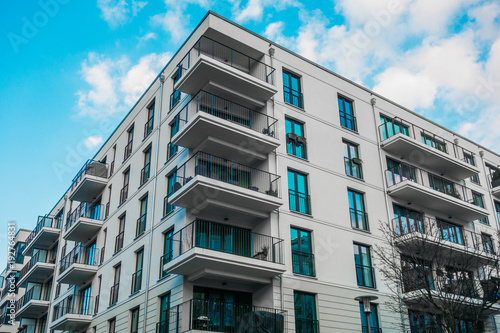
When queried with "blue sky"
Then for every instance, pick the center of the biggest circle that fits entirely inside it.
(72, 69)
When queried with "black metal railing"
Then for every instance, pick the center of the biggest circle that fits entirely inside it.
(294, 97)
(119, 241)
(365, 276)
(101, 260)
(128, 149)
(233, 240)
(175, 98)
(113, 295)
(141, 225)
(74, 304)
(227, 110)
(171, 150)
(123, 194)
(136, 281)
(148, 126)
(43, 222)
(348, 121)
(222, 53)
(398, 125)
(406, 172)
(79, 255)
(306, 325)
(303, 263)
(299, 202)
(42, 256)
(96, 304)
(145, 173)
(359, 219)
(165, 259)
(111, 168)
(167, 207)
(84, 210)
(34, 294)
(91, 168)
(353, 167)
(206, 165)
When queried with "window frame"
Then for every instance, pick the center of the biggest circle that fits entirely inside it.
(297, 194)
(362, 277)
(365, 223)
(292, 146)
(300, 95)
(349, 160)
(350, 102)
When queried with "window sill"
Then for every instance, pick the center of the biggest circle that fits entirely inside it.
(298, 157)
(126, 158)
(360, 179)
(368, 288)
(300, 213)
(350, 130)
(362, 230)
(134, 293)
(305, 276)
(143, 183)
(117, 251)
(147, 136)
(139, 236)
(163, 278)
(295, 107)
(171, 157)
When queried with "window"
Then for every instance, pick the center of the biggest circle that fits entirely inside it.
(392, 126)
(163, 324)
(302, 256)
(59, 219)
(295, 140)
(347, 119)
(477, 199)
(359, 218)
(432, 141)
(352, 161)
(373, 317)
(176, 95)
(130, 140)
(497, 210)
(291, 89)
(407, 220)
(137, 276)
(113, 295)
(124, 190)
(459, 282)
(493, 175)
(111, 325)
(18, 252)
(297, 189)
(112, 165)
(147, 166)
(134, 320)
(417, 274)
(141, 221)
(121, 232)
(443, 185)
(450, 232)
(171, 179)
(398, 172)
(487, 241)
(364, 271)
(148, 126)
(467, 326)
(174, 128)
(168, 248)
(469, 158)
(423, 322)
(85, 305)
(305, 313)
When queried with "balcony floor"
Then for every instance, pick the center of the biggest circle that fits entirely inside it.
(45, 238)
(33, 309)
(77, 274)
(71, 322)
(83, 230)
(88, 189)
(39, 273)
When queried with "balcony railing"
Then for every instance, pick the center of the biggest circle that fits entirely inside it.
(175, 98)
(398, 125)
(171, 150)
(237, 241)
(128, 149)
(303, 263)
(229, 111)
(85, 210)
(294, 97)
(348, 121)
(365, 276)
(42, 256)
(299, 202)
(136, 281)
(91, 168)
(148, 126)
(34, 294)
(359, 219)
(145, 173)
(167, 208)
(113, 295)
(229, 172)
(304, 325)
(74, 305)
(43, 221)
(165, 259)
(119, 241)
(222, 53)
(141, 225)
(406, 172)
(123, 194)
(79, 255)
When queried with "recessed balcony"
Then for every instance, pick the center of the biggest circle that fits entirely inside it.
(83, 222)
(419, 146)
(45, 234)
(209, 250)
(219, 126)
(40, 267)
(413, 185)
(89, 181)
(31, 304)
(215, 187)
(79, 265)
(74, 313)
(211, 64)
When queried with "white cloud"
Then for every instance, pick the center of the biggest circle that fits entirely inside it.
(117, 12)
(487, 20)
(148, 36)
(93, 141)
(252, 11)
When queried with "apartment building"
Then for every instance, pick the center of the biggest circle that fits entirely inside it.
(244, 192)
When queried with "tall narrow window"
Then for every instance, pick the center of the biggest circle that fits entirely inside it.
(373, 317)
(112, 325)
(305, 313)
(423, 322)
(85, 305)
(364, 271)
(469, 158)
(171, 179)
(295, 138)
(108, 204)
(174, 128)
(407, 220)
(59, 219)
(168, 248)
(487, 241)
(392, 126)
(147, 166)
(291, 89)
(137, 276)
(130, 140)
(298, 193)
(352, 161)
(497, 210)
(163, 325)
(493, 175)
(112, 165)
(359, 218)
(477, 199)
(141, 221)
(113, 295)
(121, 233)
(302, 256)
(416, 274)
(347, 118)
(148, 126)
(134, 320)
(124, 190)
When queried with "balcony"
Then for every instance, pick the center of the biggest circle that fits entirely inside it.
(224, 189)
(83, 222)
(89, 181)
(418, 146)
(431, 237)
(45, 234)
(210, 63)
(205, 315)
(217, 125)
(32, 305)
(73, 313)
(79, 265)
(494, 182)
(40, 267)
(413, 185)
(206, 249)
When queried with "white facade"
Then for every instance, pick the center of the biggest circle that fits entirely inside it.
(232, 105)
